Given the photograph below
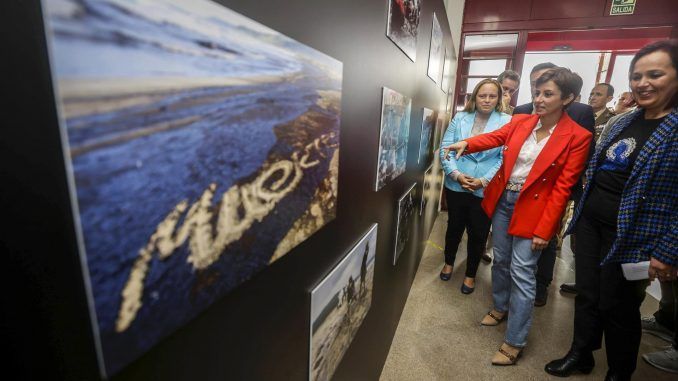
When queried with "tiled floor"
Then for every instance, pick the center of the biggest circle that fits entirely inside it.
(439, 336)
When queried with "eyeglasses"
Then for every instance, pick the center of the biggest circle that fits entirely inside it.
(508, 90)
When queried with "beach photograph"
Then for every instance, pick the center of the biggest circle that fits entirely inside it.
(403, 25)
(202, 145)
(393, 136)
(339, 304)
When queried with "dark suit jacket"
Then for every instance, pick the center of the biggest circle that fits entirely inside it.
(582, 115)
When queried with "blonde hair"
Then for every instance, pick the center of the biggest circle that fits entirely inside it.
(470, 105)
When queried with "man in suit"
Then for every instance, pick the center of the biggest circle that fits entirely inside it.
(583, 115)
(600, 95)
(510, 81)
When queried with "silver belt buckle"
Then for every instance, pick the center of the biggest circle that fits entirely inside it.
(515, 187)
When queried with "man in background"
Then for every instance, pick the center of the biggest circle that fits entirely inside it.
(600, 96)
(510, 81)
(625, 102)
(583, 115)
(625, 105)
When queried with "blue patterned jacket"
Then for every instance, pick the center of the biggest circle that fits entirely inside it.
(647, 223)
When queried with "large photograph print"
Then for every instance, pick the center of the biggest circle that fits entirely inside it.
(428, 123)
(403, 25)
(445, 82)
(203, 146)
(393, 136)
(339, 305)
(405, 217)
(426, 187)
(435, 54)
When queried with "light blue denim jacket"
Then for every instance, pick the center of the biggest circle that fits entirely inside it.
(481, 164)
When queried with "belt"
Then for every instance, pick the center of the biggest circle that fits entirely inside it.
(515, 187)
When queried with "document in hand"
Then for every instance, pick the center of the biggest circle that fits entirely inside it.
(636, 271)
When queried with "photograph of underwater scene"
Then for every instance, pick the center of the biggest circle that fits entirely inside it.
(428, 123)
(203, 147)
(394, 135)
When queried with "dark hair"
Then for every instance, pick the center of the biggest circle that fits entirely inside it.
(578, 84)
(568, 82)
(542, 66)
(610, 88)
(508, 74)
(668, 46)
(470, 105)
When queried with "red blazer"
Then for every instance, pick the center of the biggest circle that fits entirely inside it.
(545, 193)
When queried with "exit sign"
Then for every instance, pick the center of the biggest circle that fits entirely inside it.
(622, 7)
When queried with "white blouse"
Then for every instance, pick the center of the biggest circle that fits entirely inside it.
(528, 154)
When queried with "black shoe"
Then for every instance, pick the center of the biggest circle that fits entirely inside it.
(486, 258)
(541, 297)
(466, 289)
(574, 361)
(445, 276)
(569, 288)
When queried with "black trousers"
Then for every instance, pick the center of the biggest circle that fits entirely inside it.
(667, 314)
(546, 263)
(547, 259)
(465, 213)
(606, 303)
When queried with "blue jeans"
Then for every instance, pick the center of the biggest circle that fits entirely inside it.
(513, 273)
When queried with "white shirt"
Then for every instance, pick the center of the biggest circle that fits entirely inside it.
(528, 154)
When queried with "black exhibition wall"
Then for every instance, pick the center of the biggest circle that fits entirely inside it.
(259, 330)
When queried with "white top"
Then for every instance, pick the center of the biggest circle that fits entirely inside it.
(528, 154)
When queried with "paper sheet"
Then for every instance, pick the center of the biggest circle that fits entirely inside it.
(636, 271)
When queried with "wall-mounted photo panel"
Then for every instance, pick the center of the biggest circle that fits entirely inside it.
(436, 51)
(393, 137)
(428, 123)
(203, 146)
(339, 304)
(439, 130)
(405, 217)
(403, 25)
(445, 83)
(426, 187)
(438, 183)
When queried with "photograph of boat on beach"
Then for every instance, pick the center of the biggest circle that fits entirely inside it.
(435, 53)
(428, 123)
(339, 304)
(405, 217)
(393, 136)
(403, 25)
(203, 146)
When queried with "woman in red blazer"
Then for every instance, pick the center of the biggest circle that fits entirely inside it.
(544, 154)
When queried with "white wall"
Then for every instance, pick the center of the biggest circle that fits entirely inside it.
(455, 14)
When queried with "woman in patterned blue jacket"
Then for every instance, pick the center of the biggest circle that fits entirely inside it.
(627, 214)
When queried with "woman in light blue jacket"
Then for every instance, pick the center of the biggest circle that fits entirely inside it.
(465, 178)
